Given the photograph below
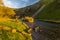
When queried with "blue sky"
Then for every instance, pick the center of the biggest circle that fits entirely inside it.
(19, 3)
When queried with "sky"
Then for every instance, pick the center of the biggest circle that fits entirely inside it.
(18, 3)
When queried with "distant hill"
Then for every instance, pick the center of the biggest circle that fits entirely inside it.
(29, 10)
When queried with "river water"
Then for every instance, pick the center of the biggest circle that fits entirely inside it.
(50, 31)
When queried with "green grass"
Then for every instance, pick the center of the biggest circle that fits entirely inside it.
(50, 12)
(8, 35)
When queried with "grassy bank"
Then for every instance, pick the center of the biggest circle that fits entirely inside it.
(50, 21)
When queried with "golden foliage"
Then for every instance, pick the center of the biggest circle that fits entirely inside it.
(0, 27)
(6, 28)
(25, 33)
(29, 30)
(13, 30)
(29, 19)
(2, 19)
(5, 11)
(25, 25)
(29, 35)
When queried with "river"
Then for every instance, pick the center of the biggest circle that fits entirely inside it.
(50, 31)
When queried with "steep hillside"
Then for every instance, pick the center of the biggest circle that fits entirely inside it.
(50, 12)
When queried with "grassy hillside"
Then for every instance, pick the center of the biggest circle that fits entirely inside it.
(50, 12)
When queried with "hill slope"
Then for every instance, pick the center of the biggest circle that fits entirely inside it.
(30, 10)
(50, 12)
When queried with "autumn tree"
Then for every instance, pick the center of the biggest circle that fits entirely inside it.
(5, 11)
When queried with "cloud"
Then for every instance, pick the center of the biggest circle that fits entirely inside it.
(18, 3)
(9, 3)
(25, 0)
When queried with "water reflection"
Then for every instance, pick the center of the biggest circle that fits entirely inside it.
(18, 3)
